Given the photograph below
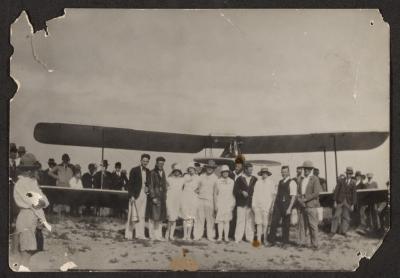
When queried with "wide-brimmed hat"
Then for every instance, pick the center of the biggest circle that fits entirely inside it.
(224, 168)
(28, 162)
(176, 167)
(264, 170)
(13, 148)
(370, 175)
(211, 164)
(307, 165)
(21, 149)
(358, 174)
(349, 170)
(191, 165)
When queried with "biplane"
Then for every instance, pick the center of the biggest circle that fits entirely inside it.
(130, 139)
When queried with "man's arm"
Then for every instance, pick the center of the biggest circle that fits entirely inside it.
(316, 191)
(292, 192)
(52, 173)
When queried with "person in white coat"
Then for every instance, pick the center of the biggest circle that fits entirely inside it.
(224, 203)
(175, 183)
(189, 200)
(263, 198)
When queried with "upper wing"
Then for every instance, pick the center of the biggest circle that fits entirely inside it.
(312, 142)
(122, 138)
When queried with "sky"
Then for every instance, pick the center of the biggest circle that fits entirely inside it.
(222, 72)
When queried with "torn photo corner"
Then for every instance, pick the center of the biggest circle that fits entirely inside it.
(188, 140)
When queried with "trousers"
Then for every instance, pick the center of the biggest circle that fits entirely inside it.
(341, 218)
(308, 220)
(205, 215)
(139, 227)
(244, 223)
(279, 213)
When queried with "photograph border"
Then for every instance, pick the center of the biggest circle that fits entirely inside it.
(385, 262)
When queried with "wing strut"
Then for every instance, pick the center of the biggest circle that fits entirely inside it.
(335, 150)
(326, 173)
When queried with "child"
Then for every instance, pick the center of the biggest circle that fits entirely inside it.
(224, 203)
(31, 201)
(189, 200)
(174, 192)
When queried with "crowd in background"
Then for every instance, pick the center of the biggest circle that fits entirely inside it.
(212, 203)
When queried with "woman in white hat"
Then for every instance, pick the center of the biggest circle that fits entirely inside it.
(174, 191)
(189, 200)
(263, 198)
(224, 203)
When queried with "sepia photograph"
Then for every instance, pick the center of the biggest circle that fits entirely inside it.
(199, 140)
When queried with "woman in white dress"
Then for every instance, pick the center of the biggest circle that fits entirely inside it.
(174, 192)
(189, 200)
(76, 183)
(224, 203)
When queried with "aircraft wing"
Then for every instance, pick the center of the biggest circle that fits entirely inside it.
(119, 199)
(364, 197)
(130, 139)
(312, 142)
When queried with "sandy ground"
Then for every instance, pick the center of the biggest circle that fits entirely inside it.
(98, 244)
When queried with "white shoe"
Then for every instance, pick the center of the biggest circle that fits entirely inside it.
(23, 269)
(238, 241)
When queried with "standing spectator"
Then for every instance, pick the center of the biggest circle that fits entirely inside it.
(174, 193)
(88, 180)
(299, 175)
(138, 187)
(224, 203)
(344, 197)
(157, 209)
(31, 214)
(358, 180)
(119, 178)
(205, 210)
(102, 179)
(238, 171)
(322, 181)
(199, 169)
(13, 163)
(308, 200)
(189, 200)
(63, 172)
(284, 200)
(369, 213)
(76, 183)
(46, 179)
(21, 151)
(263, 199)
(243, 191)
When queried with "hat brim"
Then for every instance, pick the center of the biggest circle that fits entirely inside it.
(262, 172)
(349, 172)
(176, 170)
(223, 171)
(26, 167)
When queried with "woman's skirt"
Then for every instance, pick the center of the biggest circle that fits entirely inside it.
(26, 225)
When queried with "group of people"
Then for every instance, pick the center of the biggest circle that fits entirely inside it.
(202, 199)
(249, 206)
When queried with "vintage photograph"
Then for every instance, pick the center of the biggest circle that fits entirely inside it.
(199, 140)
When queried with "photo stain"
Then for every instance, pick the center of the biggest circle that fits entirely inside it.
(256, 243)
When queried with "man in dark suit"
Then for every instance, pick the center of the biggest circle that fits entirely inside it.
(157, 208)
(345, 198)
(88, 178)
(119, 178)
(102, 179)
(308, 202)
(138, 188)
(243, 192)
(46, 179)
(283, 204)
